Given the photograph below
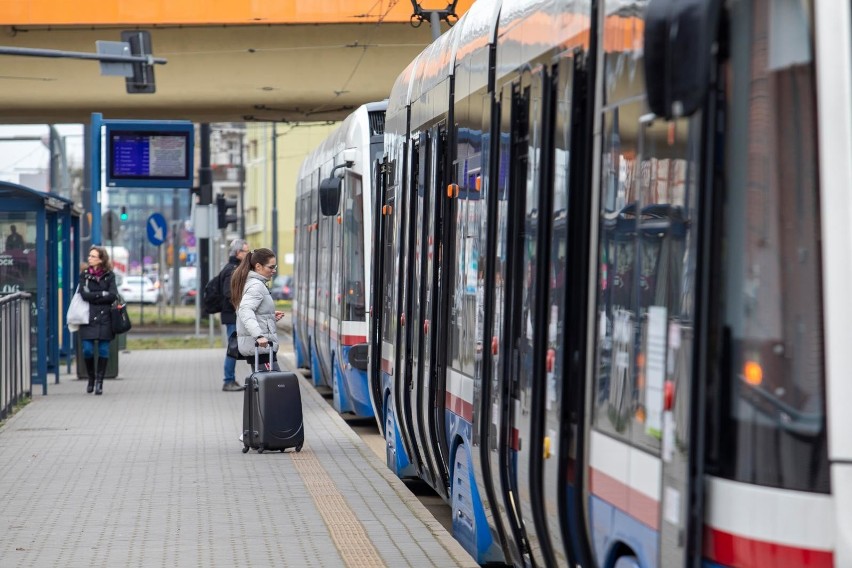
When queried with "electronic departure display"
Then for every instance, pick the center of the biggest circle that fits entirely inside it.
(149, 158)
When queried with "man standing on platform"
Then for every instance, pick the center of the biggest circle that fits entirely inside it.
(236, 253)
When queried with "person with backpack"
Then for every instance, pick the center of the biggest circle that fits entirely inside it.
(219, 298)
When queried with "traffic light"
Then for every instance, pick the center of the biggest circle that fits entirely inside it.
(223, 216)
(123, 213)
(109, 225)
(142, 80)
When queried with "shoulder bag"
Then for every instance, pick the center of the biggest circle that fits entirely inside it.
(78, 312)
(233, 350)
(119, 318)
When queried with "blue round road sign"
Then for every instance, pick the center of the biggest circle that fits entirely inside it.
(157, 229)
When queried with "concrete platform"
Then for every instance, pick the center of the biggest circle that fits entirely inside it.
(152, 474)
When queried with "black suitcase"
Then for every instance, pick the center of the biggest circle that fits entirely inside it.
(272, 411)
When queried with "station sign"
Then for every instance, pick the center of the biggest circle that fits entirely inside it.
(149, 153)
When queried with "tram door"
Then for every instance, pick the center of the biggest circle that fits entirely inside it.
(566, 310)
(667, 243)
(378, 312)
(313, 270)
(503, 248)
(410, 214)
(527, 247)
(548, 207)
(643, 393)
(329, 275)
(424, 293)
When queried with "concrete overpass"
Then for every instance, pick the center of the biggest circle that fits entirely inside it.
(228, 60)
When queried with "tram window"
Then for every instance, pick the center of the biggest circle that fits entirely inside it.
(774, 418)
(456, 342)
(390, 262)
(353, 250)
(647, 265)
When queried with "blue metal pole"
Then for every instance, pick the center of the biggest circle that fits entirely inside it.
(41, 301)
(52, 330)
(67, 281)
(95, 165)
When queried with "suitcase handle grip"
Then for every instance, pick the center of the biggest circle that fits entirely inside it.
(271, 346)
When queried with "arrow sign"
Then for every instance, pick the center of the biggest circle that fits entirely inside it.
(157, 229)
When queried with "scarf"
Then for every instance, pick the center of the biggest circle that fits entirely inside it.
(96, 272)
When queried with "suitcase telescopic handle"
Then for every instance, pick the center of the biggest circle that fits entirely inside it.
(257, 354)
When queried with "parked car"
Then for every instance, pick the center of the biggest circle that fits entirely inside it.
(157, 284)
(186, 292)
(282, 288)
(138, 289)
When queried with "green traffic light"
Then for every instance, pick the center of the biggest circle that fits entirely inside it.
(124, 213)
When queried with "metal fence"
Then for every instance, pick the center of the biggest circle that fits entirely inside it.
(15, 351)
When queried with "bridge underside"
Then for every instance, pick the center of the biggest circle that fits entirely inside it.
(293, 73)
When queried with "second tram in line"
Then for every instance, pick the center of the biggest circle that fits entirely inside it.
(333, 260)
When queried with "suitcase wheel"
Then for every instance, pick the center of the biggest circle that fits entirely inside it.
(245, 449)
(299, 448)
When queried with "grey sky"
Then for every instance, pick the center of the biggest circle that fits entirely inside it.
(18, 157)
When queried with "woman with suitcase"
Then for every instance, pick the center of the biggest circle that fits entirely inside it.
(272, 404)
(256, 313)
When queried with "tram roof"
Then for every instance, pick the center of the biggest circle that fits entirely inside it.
(477, 31)
(340, 138)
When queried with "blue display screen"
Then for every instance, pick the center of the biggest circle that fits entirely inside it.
(140, 155)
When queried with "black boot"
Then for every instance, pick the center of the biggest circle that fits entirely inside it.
(90, 369)
(99, 383)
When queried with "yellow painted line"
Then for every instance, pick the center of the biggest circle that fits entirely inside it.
(346, 530)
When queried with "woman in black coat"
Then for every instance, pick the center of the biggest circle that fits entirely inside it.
(97, 286)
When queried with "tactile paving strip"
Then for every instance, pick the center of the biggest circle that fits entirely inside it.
(346, 531)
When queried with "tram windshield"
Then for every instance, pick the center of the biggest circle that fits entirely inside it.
(774, 420)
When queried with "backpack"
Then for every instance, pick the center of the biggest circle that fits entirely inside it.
(213, 297)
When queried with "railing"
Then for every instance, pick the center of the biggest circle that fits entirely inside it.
(15, 348)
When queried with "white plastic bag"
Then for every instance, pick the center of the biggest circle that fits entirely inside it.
(78, 312)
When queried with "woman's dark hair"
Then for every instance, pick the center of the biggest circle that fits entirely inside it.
(240, 275)
(106, 263)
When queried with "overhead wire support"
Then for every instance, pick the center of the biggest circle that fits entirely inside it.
(434, 17)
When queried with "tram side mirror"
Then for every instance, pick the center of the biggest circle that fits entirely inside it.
(329, 190)
(680, 37)
(329, 195)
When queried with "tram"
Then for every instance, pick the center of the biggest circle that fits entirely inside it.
(333, 259)
(609, 320)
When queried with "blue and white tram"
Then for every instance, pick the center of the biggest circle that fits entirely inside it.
(333, 259)
(611, 291)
